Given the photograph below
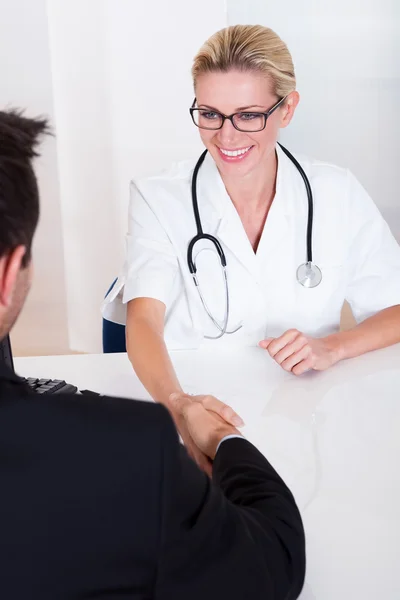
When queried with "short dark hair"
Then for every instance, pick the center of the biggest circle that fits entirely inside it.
(19, 194)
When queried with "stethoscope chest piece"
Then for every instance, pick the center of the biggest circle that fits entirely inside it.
(309, 275)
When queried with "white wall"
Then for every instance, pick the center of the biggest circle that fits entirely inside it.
(84, 142)
(347, 59)
(122, 90)
(151, 47)
(114, 76)
(25, 82)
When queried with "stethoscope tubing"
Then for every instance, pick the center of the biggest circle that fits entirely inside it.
(308, 269)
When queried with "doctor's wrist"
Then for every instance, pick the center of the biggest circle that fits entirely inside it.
(337, 347)
(176, 403)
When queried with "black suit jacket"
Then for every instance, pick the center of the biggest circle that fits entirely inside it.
(98, 500)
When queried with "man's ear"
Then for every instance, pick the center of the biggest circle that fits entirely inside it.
(10, 266)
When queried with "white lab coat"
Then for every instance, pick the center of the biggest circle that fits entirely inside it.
(352, 244)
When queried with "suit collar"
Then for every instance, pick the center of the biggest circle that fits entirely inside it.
(7, 374)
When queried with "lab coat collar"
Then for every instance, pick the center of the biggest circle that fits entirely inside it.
(230, 230)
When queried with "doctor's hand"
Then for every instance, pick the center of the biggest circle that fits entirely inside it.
(298, 353)
(202, 422)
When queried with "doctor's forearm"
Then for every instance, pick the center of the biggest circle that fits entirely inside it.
(150, 359)
(379, 331)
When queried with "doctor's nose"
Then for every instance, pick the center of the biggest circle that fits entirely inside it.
(228, 135)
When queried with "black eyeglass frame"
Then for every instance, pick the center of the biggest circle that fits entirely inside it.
(230, 118)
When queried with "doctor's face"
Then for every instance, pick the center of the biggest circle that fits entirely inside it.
(239, 153)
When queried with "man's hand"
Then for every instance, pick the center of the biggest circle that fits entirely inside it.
(203, 421)
(298, 353)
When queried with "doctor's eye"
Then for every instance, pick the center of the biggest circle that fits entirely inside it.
(249, 121)
(207, 119)
(209, 114)
(249, 116)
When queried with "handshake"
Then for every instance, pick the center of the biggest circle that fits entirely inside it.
(203, 421)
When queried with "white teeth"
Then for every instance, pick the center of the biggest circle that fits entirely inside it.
(235, 152)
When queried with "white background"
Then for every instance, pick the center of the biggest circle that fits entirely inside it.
(122, 89)
(25, 81)
(114, 77)
(347, 61)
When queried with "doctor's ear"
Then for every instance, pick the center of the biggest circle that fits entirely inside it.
(10, 266)
(289, 108)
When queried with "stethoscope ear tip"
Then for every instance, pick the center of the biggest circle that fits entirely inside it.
(309, 275)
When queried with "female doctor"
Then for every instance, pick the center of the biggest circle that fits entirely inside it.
(251, 245)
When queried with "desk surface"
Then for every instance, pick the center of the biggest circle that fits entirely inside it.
(333, 436)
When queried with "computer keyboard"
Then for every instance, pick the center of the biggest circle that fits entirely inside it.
(50, 386)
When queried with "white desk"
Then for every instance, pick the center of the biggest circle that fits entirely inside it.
(333, 436)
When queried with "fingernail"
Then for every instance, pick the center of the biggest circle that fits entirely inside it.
(238, 421)
(265, 343)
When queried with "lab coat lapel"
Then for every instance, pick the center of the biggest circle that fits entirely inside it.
(228, 228)
(276, 228)
(232, 235)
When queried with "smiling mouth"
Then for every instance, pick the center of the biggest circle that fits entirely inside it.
(234, 155)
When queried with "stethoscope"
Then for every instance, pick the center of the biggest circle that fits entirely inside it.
(308, 274)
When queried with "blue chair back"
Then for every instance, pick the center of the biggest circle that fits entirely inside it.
(113, 334)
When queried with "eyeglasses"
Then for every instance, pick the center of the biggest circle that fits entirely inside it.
(205, 118)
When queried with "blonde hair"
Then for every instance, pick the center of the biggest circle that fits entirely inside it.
(248, 48)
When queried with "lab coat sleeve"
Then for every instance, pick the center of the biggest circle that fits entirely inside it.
(151, 264)
(374, 257)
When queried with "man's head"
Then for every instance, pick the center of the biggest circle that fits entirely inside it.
(19, 210)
